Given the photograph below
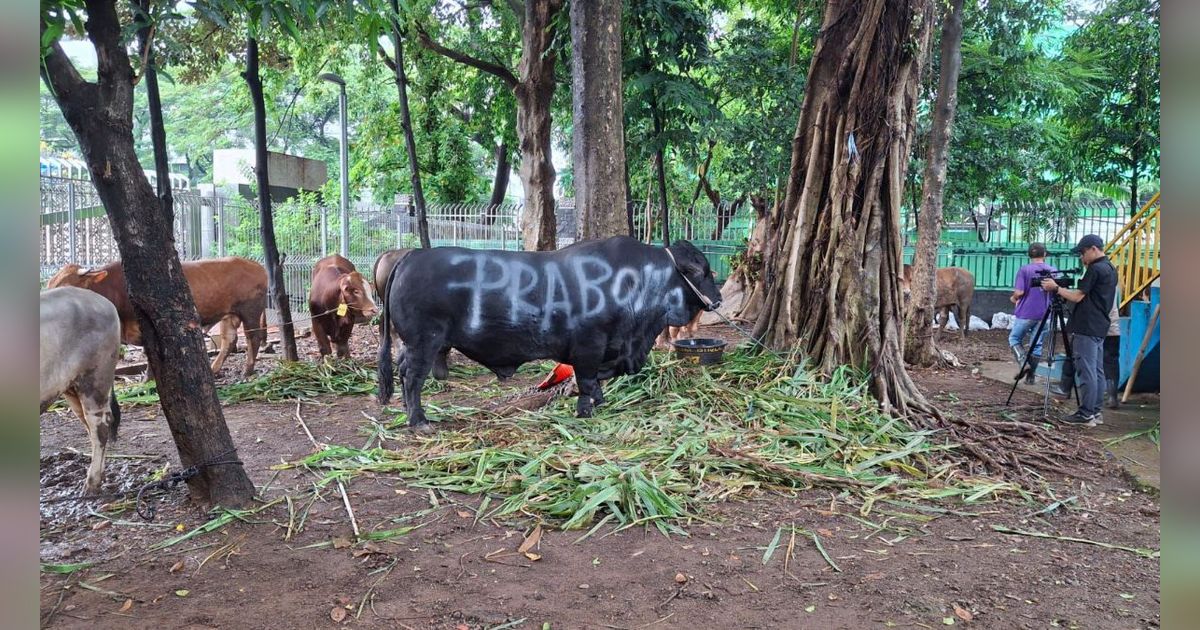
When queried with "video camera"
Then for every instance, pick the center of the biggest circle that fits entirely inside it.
(1064, 278)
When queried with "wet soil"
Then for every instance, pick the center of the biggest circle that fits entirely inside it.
(897, 565)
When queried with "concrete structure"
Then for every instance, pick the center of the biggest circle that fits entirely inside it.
(233, 171)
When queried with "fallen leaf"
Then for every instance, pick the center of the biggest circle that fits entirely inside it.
(183, 592)
(462, 626)
(681, 578)
(367, 549)
(178, 566)
(533, 556)
(341, 600)
(101, 525)
(1126, 596)
(337, 614)
(126, 606)
(824, 532)
(464, 514)
(810, 608)
(401, 491)
(872, 576)
(949, 621)
(180, 527)
(531, 540)
(341, 542)
(962, 613)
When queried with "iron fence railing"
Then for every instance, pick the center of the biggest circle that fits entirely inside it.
(74, 228)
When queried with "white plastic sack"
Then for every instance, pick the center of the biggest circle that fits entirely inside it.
(1002, 320)
(951, 325)
(977, 324)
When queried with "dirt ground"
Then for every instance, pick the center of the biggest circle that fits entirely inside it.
(901, 565)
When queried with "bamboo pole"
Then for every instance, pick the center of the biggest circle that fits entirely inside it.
(1141, 353)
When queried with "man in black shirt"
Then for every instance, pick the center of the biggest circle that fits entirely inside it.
(1088, 326)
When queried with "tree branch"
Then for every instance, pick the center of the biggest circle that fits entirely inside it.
(387, 59)
(63, 78)
(496, 70)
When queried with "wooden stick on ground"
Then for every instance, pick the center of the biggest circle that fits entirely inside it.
(341, 487)
(1141, 353)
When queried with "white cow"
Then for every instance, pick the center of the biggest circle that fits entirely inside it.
(80, 337)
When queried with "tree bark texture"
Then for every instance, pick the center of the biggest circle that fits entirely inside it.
(599, 119)
(410, 142)
(660, 174)
(101, 116)
(276, 289)
(833, 268)
(918, 323)
(534, 92)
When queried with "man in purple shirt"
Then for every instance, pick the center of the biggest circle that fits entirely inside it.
(1031, 306)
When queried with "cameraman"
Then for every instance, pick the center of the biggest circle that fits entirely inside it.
(1031, 306)
(1089, 325)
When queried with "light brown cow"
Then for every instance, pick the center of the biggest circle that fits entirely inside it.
(955, 287)
(687, 331)
(382, 270)
(232, 289)
(338, 297)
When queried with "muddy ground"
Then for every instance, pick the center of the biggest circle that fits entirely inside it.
(899, 567)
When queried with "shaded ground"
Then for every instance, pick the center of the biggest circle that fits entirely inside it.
(894, 566)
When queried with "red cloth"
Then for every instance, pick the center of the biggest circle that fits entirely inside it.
(561, 372)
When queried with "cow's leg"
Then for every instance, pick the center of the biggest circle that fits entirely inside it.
(228, 332)
(964, 310)
(73, 403)
(441, 367)
(318, 329)
(98, 428)
(255, 336)
(417, 361)
(589, 389)
(342, 340)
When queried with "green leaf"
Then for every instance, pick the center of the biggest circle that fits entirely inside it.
(65, 568)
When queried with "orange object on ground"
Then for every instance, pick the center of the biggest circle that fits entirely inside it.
(561, 372)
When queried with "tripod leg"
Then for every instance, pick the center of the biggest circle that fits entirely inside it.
(1026, 364)
(1070, 353)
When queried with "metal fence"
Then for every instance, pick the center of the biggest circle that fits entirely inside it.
(991, 240)
(74, 229)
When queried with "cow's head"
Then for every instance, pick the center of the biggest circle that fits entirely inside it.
(692, 265)
(354, 294)
(76, 276)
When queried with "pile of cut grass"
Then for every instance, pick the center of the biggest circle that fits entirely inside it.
(290, 381)
(670, 440)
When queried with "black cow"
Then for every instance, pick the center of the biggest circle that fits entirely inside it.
(596, 305)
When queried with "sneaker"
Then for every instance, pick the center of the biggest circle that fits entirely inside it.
(1081, 419)
(1097, 418)
(1057, 390)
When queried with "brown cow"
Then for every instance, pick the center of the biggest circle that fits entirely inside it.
(231, 289)
(687, 331)
(955, 288)
(382, 270)
(338, 297)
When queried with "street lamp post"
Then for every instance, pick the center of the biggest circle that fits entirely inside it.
(344, 160)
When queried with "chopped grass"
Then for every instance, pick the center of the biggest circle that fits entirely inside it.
(668, 441)
(1151, 433)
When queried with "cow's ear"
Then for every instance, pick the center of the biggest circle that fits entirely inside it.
(97, 276)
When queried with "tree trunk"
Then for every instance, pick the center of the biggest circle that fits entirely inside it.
(500, 182)
(276, 288)
(101, 116)
(534, 93)
(629, 206)
(158, 133)
(660, 173)
(832, 274)
(599, 118)
(410, 142)
(918, 324)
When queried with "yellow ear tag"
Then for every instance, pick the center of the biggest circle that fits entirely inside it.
(342, 310)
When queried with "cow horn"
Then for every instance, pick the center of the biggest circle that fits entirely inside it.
(82, 271)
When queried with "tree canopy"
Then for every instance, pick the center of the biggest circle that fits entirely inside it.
(1055, 102)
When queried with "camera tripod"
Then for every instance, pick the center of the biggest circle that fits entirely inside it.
(1055, 320)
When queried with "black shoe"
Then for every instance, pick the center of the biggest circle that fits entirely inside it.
(1114, 401)
(1081, 419)
(1031, 375)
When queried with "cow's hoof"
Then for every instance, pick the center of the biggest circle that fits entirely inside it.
(424, 428)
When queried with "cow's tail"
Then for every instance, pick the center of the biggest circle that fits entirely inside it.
(115, 408)
(384, 372)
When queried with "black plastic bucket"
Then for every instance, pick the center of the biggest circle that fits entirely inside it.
(700, 351)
